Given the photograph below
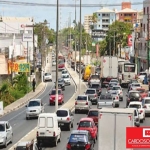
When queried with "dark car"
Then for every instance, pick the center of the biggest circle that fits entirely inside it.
(133, 96)
(61, 84)
(130, 82)
(80, 140)
(96, 86)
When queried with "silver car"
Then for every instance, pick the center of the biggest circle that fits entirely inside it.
(146, 105)
(34, 108)
(134, 86)
(67, 79)
(82, 103)
(65, 118)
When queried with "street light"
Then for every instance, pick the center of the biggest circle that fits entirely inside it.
(57, 30)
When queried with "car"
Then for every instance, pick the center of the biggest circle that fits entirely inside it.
(88, 125)
(61, 84)
(47, 77)
(96, 86)
(111, 84)
(93, 79)
(143, 92)
(115, 97)
(114, 80)
(140, 108)
(98, 71)
(52, 97)
(53, 63)
(134, 86)
(34, 108)
(6, 133)
(136, 117)
(64, 72)
(133, 96)
(65, 118)
(61, 65)
(93, 113)
(132, 81)
(92, 93)
(67, 79)
(80, 139)
(141, 76)
(82, 103)
(119, 91)
(146, 105)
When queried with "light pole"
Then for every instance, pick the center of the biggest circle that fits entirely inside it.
(80, 42)
(57, 30)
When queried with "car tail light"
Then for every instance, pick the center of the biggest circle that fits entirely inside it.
(122, 77)
(86, 103)
(37, 133)
(131, 89)
(68, 146)
(76, 103)
(87, 146)
(117, 97)
(68, 119)
(54, 134)
(141, 111)
(144, 106)
(95, 95)
(128, 99)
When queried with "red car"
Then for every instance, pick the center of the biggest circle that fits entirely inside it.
(143, 92)
(61, 66)
(88, 125)
(93, 113)
(53, 97)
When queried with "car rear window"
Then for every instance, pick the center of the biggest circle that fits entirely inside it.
(62, 113)
(116, 88)
(93, 113)
(90, 92)
(2, 127)
(82, 98)
(143, 73)
(95, 86)
(136, 85)
(78, 137)
(141, 90)
(135, 106)
(147, 101)
(114, 80)
(85, 124)
(54, 92)
(47, 74)
(104, 97)
(21, 148)
(134, 94)
(34, 103)
(94, 76)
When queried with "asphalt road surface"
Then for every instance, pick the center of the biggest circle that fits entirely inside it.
(17, 118)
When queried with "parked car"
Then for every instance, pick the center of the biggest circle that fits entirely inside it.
(65, 118)
(96, 86)
(93, 113)
(52, 97)
(47, 77)
(142, 92)
(88, 125)
(80, 140)
(146, 105)
(34, 108)
(67, 79)
(132, 96)
(140, 108)
(61, 84)
(134, 86)
(82, 103)
(6, 133)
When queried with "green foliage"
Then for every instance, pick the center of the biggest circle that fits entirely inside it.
(94, 18)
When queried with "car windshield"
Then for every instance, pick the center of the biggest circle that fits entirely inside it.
(147, 101)
(74, 138)
(81, 98)
(95, 86)
(141, 90)
(85, 124)
(135, 85)
(114, 81)
(62, 113)
(116, 88)
(67, 76)
(112, 84)
(21, 148)
(94, 76)
(64, 72)
(104, 97)
(54, 92)
(34, 103)
(47, 74)
(60, 80)
(135, 106)
(134, 94)
(2, 127)
(93, 113)
(90, 92)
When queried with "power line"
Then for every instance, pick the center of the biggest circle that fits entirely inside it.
(64, 5)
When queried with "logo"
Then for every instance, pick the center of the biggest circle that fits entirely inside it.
(138, 137)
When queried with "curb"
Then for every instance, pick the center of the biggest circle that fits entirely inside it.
(23, 103)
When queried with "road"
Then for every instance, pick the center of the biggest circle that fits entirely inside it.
(17, 118)
(77, 117)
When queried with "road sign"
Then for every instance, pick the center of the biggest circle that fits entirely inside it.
(27, 37)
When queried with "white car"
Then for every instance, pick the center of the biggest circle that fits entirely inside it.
(114, 80)
(64, 72)
(34, 108)
(6, 133)
(54, 63)
(67, 79)
(115, 97)
(140, 108)
(134, 86)
(146, 105)
(47, 77)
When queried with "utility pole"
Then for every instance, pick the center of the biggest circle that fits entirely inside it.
(148, 42)
(86, 49)
(70, 34)
(114, 44)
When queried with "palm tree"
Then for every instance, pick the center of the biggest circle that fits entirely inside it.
(94, 20)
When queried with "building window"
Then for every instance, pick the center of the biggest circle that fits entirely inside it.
(144, 10)
(147, 10)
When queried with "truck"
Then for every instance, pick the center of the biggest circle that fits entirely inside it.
(109, 69)
(112, 123)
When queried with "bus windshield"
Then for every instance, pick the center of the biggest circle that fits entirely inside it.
(129, 67)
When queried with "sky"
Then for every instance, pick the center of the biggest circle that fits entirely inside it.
(49, 13)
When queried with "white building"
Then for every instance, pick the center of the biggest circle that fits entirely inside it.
(87, 23)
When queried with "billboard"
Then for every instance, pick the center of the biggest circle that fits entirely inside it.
(98, 33)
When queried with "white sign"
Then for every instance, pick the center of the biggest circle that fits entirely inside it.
(27, 37)
(1, 108)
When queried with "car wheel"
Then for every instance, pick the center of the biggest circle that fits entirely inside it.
(11, 139)
(55, 143)
(27, 118)
(59, 138)
(69, 126)
(76, 111)
(5, 145)
(94, 141)
(72, 125)
(141, 121)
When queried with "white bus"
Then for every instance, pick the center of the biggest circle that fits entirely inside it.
(126, 71)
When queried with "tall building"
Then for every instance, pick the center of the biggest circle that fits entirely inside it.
(105, 17)
(126, 14)
(87, 23)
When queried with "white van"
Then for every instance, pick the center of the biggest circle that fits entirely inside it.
(47, 129)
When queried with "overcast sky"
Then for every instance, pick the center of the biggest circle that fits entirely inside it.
(49, 13)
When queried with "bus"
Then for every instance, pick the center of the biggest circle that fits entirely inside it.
(126, 71)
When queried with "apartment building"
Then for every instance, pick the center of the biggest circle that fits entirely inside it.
(87, 23)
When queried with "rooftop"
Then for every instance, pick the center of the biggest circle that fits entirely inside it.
(127, 10)
(16, 19)
(105, 10)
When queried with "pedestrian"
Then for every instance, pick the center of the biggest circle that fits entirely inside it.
(33, 84)
(141, 69)
(145, 79)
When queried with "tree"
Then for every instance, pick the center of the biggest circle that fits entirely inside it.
(94, 20)
(102, 47)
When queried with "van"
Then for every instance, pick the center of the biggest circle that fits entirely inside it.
(47, 130)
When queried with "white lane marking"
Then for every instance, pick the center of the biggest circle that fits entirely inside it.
(25, 110)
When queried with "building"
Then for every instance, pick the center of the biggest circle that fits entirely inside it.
(126, 14)
(87, 23)
(105, 17)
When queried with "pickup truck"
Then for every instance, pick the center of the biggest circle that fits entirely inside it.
(94, 79)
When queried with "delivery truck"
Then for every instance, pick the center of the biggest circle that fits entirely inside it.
(112, 123)
(109, 69)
